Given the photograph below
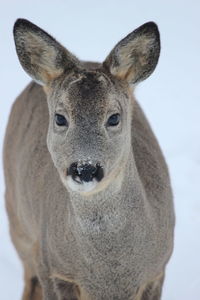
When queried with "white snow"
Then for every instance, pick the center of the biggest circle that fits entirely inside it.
(170, 98)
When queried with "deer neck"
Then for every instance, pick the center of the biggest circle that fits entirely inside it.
(109, 209)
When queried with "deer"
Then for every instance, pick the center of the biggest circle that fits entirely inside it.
(88, 191)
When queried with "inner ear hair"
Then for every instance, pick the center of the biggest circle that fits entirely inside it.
(41, 56)
(135, 57)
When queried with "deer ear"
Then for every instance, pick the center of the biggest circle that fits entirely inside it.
(135, 57)
(41, 56)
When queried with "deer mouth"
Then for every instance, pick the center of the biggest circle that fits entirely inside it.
(76, 185)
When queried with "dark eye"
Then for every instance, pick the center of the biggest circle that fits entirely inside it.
(60, 120)
(114, 120)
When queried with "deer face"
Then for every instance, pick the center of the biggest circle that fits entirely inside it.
(89, 130)
(89, 136)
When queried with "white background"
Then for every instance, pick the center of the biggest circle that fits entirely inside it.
(170, 98)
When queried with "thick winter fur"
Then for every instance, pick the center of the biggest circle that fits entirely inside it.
(113, 240)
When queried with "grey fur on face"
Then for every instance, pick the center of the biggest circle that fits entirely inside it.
(88, 192)
(87, 100)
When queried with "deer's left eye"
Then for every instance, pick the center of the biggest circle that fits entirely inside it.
(114, 120)
(60, 120)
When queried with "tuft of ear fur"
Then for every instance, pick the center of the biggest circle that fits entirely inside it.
(41, 56)
(135, 57)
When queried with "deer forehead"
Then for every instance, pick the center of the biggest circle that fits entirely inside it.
(88, 87)
(88, 93)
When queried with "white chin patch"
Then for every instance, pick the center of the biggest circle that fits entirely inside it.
(83, 187)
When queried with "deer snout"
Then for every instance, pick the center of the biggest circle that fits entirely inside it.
(85, 172)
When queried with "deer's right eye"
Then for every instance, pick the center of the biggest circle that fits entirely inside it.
(60, 120)
(113, 120)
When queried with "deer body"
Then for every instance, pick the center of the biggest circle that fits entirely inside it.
(103, 234)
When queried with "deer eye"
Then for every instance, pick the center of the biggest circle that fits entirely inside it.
(114, 120)
(60, 120)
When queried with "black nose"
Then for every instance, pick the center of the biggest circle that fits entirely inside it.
(85, 172)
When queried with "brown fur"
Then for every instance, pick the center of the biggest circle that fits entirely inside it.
(109, 242)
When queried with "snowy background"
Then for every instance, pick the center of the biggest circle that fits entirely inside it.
(170, 98)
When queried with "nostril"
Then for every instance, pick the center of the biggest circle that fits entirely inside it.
(99, 172)
(72, 170)
(85, 172)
